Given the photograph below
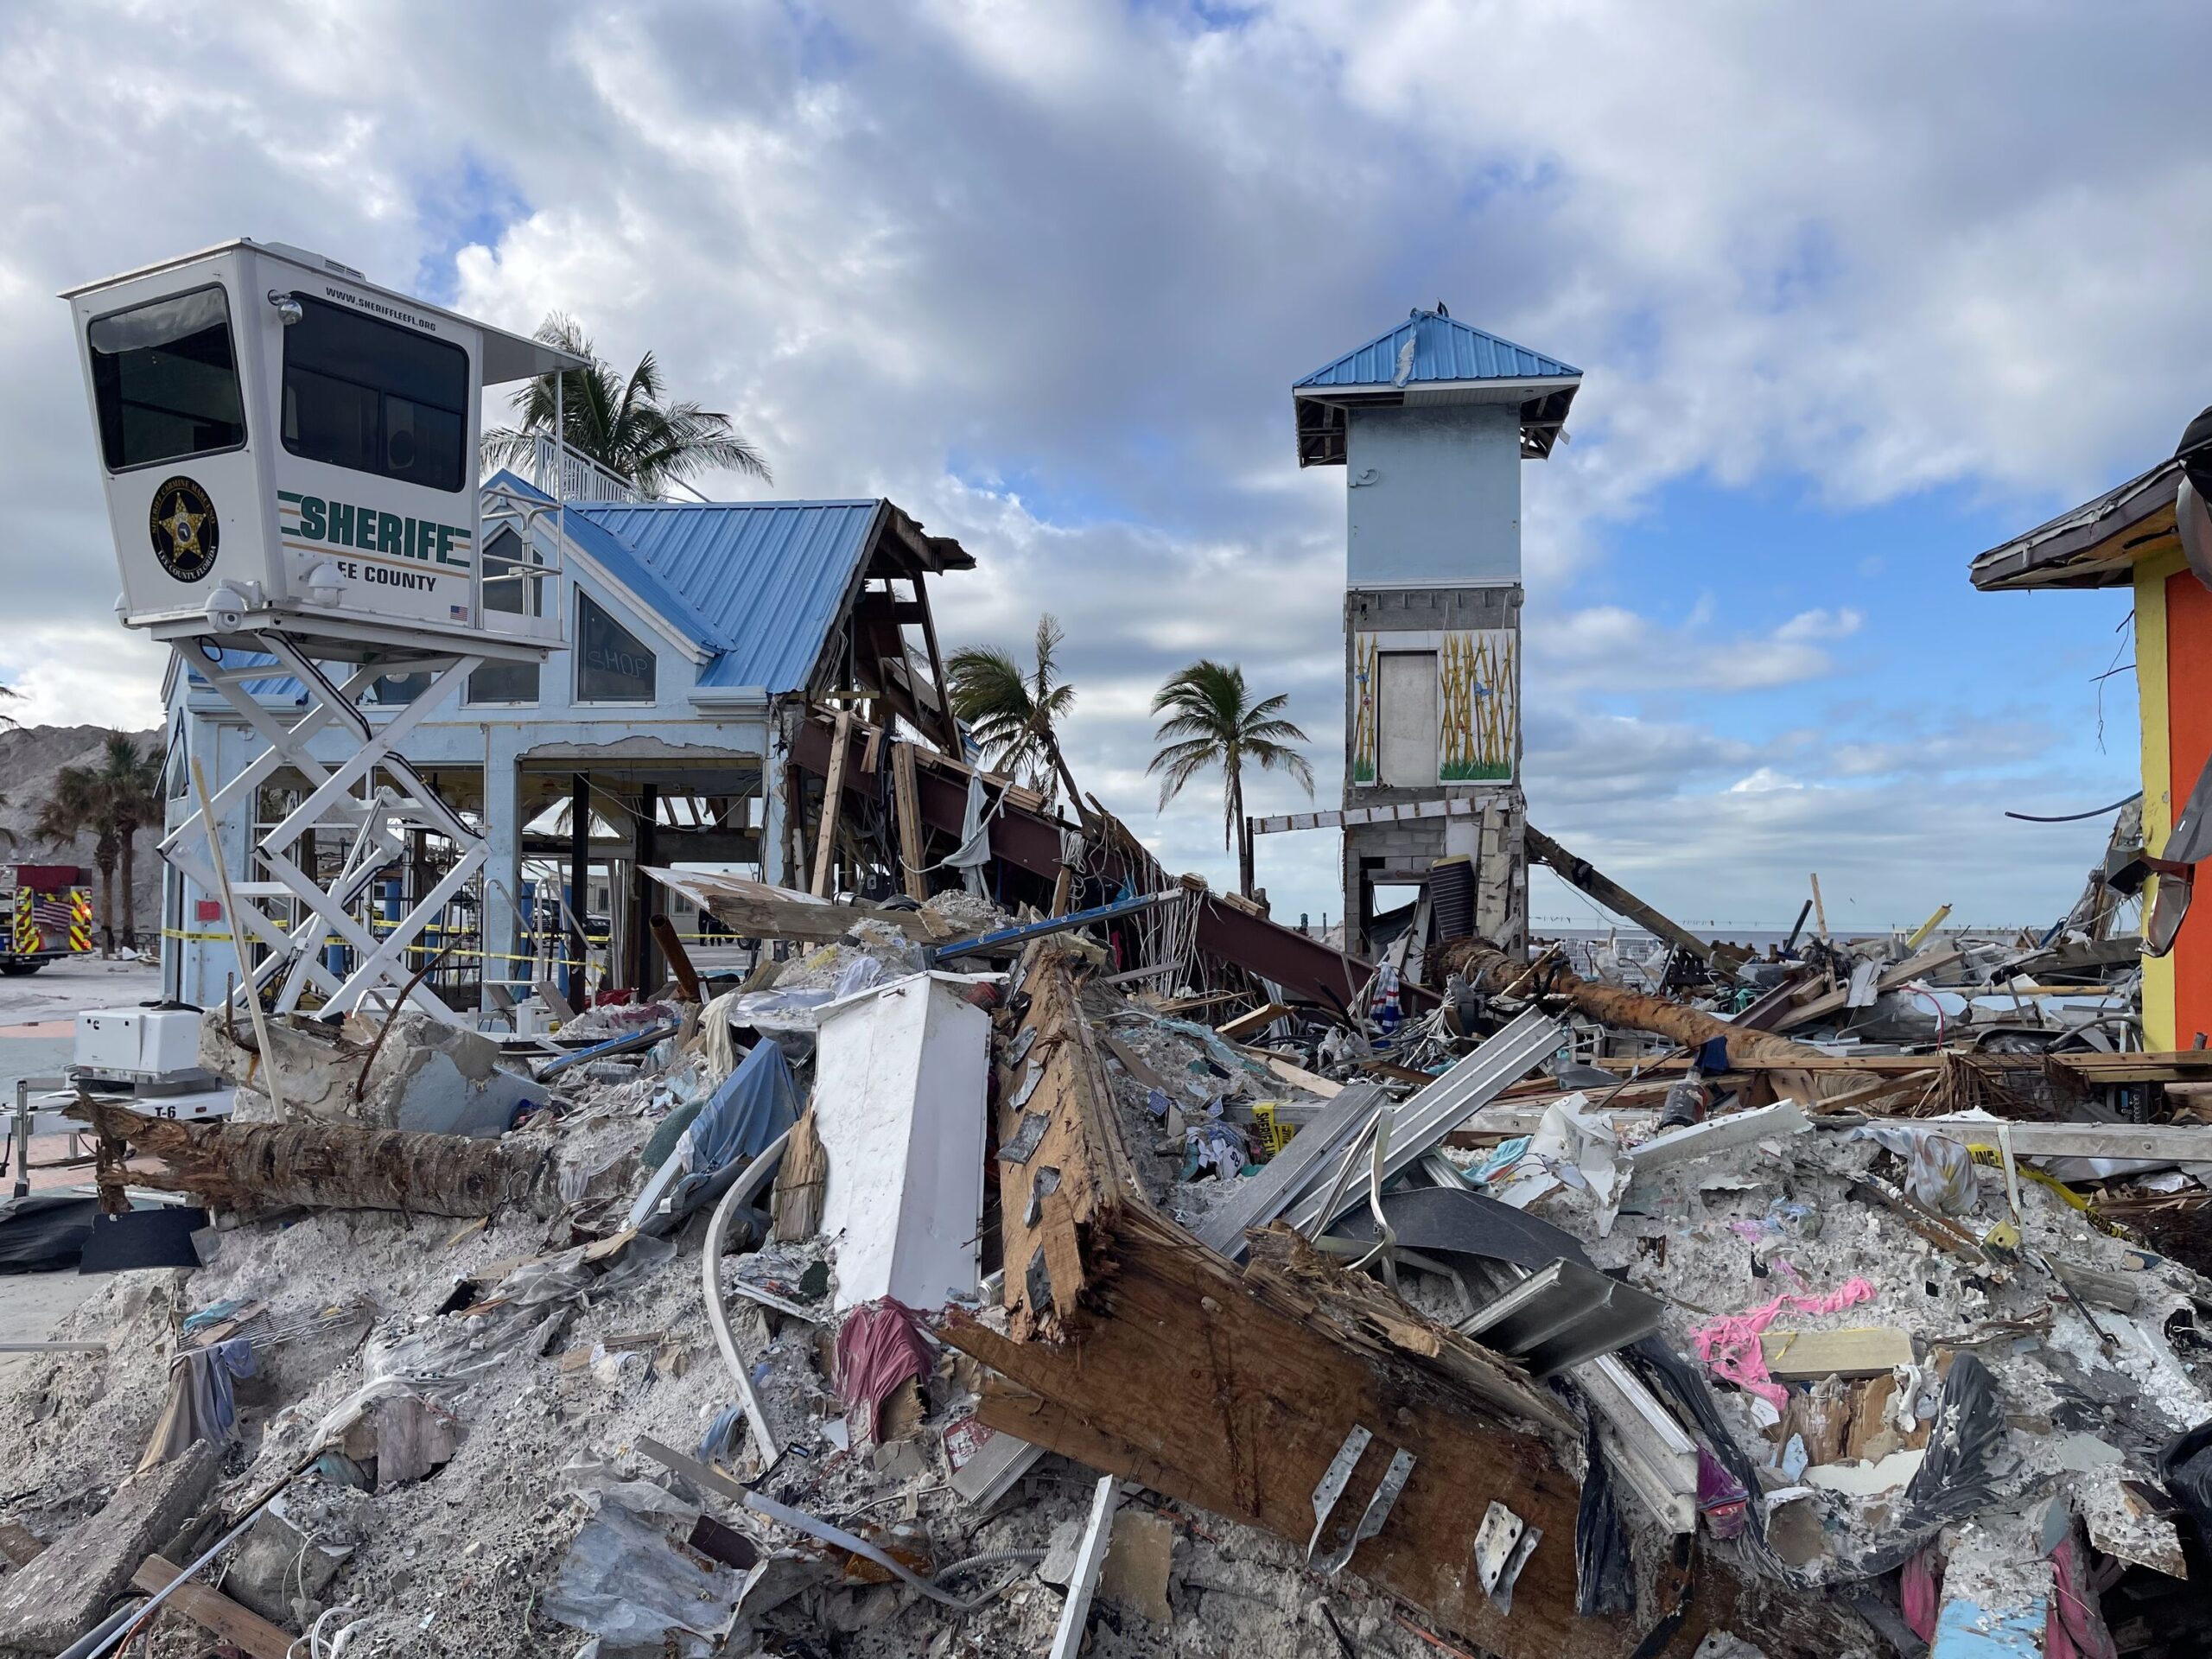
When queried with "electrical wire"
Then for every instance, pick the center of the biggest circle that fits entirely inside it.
(2075, 817)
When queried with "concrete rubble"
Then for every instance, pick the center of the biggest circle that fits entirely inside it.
(927, 1291)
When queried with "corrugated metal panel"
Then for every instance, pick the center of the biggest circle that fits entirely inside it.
(757, 582)
(1444, 349)
(763, 579)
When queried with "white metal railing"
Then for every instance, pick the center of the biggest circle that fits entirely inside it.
(568, 476)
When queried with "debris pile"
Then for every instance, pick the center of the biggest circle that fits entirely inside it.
(948, 1288)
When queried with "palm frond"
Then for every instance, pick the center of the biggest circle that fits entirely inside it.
(622, 422)
(1212, 721)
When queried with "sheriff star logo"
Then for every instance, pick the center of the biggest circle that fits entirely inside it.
(183, 528)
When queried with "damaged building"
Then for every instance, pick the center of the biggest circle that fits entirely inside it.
(660, 733)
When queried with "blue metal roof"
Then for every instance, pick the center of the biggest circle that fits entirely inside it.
(768, 577)
(1444, 349)
(758, 584)
(1431, 358)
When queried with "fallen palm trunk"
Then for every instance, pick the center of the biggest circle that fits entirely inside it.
(1489, 969)
(256, 1166)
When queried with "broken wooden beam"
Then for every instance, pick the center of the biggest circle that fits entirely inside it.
(1828, 1004)
(1245, 1026)
(1236, 1392)
(213, 1611)
(760, 910)
(1585, 878)
(678, 959)
(1061, 1159)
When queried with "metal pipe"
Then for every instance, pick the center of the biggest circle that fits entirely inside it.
(21, 1130)
(711, 1271)
(95, 1640)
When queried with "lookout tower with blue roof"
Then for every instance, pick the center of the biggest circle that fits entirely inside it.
(1431, 422)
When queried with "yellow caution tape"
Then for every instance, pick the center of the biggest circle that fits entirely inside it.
(1995, 1159)
(456, 952)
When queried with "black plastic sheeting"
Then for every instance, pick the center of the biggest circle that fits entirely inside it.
(1605, 1567)
(1953, 1479)
(1460, 1221)
(44, 1232)
(2185, 1466)
(160, 1238)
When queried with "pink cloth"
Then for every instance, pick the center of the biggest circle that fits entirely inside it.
(879, 1346)
(2074, 1626)
(1921, 1589)
(1731, 1343)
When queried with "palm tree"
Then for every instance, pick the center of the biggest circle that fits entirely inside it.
(110, 802)
(1015, 717)
(74, 806)
(1212, 721)
(622, 422)
(132, 781)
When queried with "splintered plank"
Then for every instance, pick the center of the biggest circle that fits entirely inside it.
(214, 1612)
(1185, 1378)
(1060, 1153)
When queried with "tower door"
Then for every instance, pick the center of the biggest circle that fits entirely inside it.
(1406, 716)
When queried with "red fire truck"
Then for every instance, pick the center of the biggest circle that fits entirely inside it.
(46, 913)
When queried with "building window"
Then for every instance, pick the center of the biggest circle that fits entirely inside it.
(612, 665)
(165, 380)
(398, 691)
(504, 683)
(512, 585)
(1406, 709)
(374, 397)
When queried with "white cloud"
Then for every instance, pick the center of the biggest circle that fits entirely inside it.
(1762, 781)
(81, 674)
(1043, 274)
(1612, 648)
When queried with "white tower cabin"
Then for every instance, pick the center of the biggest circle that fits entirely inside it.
(1431, 422)
(289, 456)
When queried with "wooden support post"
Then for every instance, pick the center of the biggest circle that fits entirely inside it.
(795, 820)
(947, 736)
(1820, 911)
(906, 798)
(833, 798)
(679, 959)
(578, 990)
(645, 974)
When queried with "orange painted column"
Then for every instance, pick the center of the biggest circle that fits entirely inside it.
(2189, 727)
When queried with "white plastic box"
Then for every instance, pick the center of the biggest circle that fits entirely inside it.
(901, 1074)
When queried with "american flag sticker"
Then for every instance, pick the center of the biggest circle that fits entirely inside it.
(460, 613)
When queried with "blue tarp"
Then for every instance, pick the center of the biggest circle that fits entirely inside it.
(756, 1103)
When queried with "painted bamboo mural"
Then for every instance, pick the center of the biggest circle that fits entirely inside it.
(1363, 709)
(1479, 706)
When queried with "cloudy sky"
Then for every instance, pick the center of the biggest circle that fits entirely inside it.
(1858, 292)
